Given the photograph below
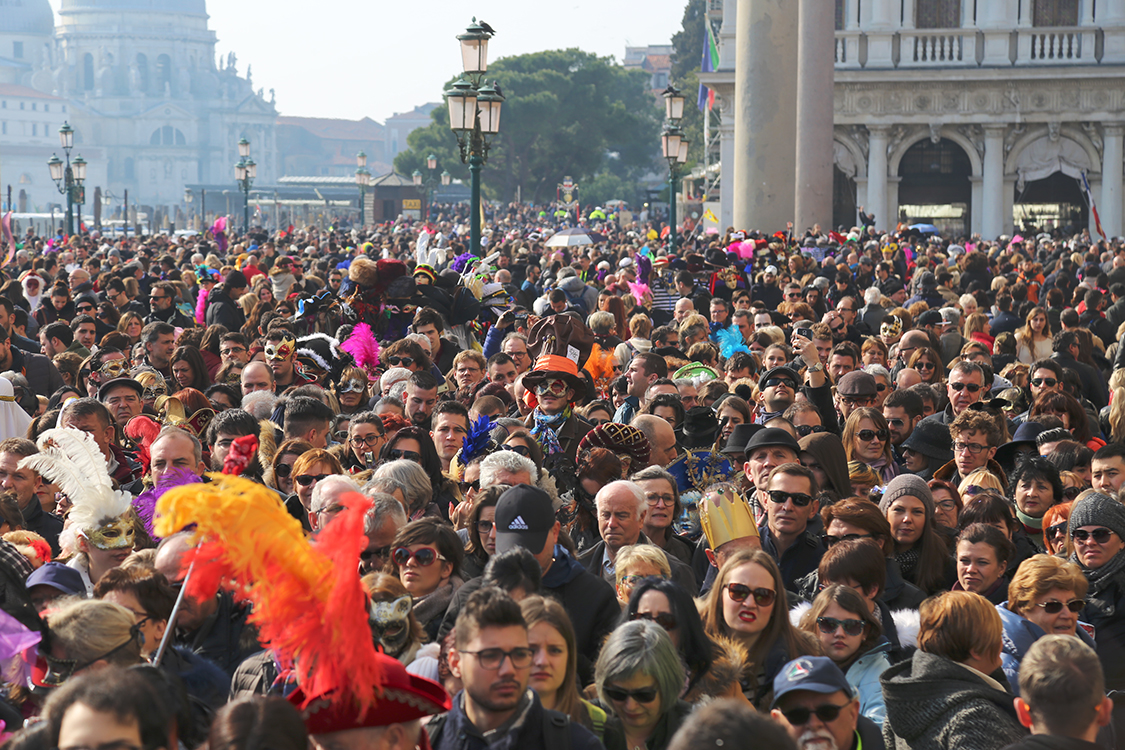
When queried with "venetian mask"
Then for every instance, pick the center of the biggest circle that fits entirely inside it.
(309, 369)
(891, 327)
(351, 386)
(114, 368)
(279, 351)
(390, 624)
(116, 534)
(688, 523)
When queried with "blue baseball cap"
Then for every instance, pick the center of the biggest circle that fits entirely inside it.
(815, 673)
(58, 576)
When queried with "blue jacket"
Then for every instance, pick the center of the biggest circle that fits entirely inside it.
(458, 733)
(863, 676)
(1019, 634)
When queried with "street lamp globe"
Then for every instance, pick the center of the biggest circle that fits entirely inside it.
(251, 168)
(431, 162)
(673, 104)
(66, 136)
(416, 176)
(79, 165)
(489, 100)
(446, 178)
(670, 142)
(244, 148)
(361, 159)
(461, 99)
(681, 158)
(474, 48)
(240, 170)
(188, 195)
(57, 167)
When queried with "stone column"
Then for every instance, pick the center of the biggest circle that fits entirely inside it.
(815, 74)
(1109, 206)
(882, 22)
(765, 114)
(992, 218)
(1111, 18)
(877, 176)
(727, 160)
(997, 19)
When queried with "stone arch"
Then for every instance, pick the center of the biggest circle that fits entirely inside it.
(948, 134)
(846, 150)
(1033, 134)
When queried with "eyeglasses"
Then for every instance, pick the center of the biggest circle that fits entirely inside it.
(1054, 606)
(800, 499)
(739, 592)
(829, 625)
(666, 620)
(414, 456)
(485, 527)
(1049, 382)
(972, 387)
(774, 382)
(973, 448)
(306, 479)
(283, 470)
(826, 712)
(368, 442)
(1100, 536)
(232, 350)
(807, 429)
(404, 361)
(868, 435)
(423, 557)
(492, 658)
(946, 505)
(620, 695)
(830, 540)
(655, 499)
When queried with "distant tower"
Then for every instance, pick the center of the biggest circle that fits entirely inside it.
(26, 30)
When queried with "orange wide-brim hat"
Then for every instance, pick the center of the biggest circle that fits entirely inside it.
(554, 366)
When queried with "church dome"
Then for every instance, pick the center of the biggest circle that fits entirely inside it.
(28, 17)
(179, 7)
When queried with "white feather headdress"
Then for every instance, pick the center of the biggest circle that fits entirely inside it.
(72, 460)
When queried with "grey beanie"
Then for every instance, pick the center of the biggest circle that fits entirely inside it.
(1097, 509)
(914, 486)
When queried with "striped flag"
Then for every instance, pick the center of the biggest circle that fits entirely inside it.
(709, 65)
(1093, 207)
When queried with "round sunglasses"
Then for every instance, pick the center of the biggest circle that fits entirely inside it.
(739, 592)
(829, 625)
(424, 557)
(666, 620)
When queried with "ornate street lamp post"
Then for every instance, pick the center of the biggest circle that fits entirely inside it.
(474, 115)
(69, 177)
(674, 147)
(429, 183)
(244, 173)
(362, 179)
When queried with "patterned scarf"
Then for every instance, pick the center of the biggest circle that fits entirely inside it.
(546, 429)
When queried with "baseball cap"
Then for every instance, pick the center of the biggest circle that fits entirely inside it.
(772, 270)
(817, 674)
(930, 318)
(58, 576)
(524, 517)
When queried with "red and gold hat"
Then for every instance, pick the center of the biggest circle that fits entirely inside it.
(624, 440)
(403, 697)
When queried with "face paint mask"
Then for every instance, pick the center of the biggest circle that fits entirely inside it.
(390, 624)
(118, 534)
(279, 351)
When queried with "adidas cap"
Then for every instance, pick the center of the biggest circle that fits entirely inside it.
(524, 518)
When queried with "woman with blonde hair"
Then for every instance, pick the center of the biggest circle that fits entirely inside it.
(978, 481)
(977, 328)
(131, 324)
(867, 438)
(635, 562)
(748, 604)
(1113, 416)
(1033, 340)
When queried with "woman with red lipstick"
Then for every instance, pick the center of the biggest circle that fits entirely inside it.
(748, 603)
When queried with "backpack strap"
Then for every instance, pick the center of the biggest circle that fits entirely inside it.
(556, 730)
(434, 728)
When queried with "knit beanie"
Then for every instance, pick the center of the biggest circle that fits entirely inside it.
(910, 485)
(236, 280)
(1098, 510)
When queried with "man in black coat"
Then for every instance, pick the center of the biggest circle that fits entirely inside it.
(222, 306)
(1093, 383)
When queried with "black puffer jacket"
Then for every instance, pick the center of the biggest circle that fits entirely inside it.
(934, 703)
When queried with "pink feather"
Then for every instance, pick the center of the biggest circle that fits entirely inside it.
(201, 306)
(640, 291)
(363, 346)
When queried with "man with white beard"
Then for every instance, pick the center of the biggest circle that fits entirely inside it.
(813, 700)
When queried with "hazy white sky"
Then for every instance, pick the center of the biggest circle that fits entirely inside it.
(347, 58)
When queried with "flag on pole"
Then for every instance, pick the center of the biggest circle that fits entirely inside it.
(1093, 206)
(8, 239)
(710, 216)
(709, 65)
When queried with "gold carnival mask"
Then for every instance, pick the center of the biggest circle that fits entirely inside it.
(891, 327)
(280, 351)
(116, 534)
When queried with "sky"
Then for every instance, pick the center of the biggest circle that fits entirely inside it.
(353, 59)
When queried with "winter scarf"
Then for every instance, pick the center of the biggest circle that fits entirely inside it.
(546, 429)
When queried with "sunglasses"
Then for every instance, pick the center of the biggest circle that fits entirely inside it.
(1056, 531)
(924, 366)
(1054, 606)
(830, 540)
(371, 555)
(474, 485)
(404, 361)
(826, 712)
(620, 695)
(774, 382)
(84, 308)
(283, 470)
(1100, 536)
(868, 435)
(424, 557)
(1049, 382)
(666, 620)
(972, 387)
(829, 625)
(739, 592)
(523, 450)
(857, 400)
(414, 456)
(306, 479)
(800, 499)
(1071, 492)
(808, 429)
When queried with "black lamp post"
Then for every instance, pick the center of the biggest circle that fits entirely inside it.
(244, 173)
(68, 177)
(474, 115)
(429, 183)
(674, 147)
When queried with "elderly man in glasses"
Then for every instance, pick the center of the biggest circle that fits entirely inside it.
(813, 700)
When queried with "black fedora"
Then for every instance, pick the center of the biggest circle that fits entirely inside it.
(701, 427)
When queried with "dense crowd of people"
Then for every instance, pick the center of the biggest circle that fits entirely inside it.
(830, 491)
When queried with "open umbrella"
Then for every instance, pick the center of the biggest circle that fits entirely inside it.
(574, 237)
(925, 228)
